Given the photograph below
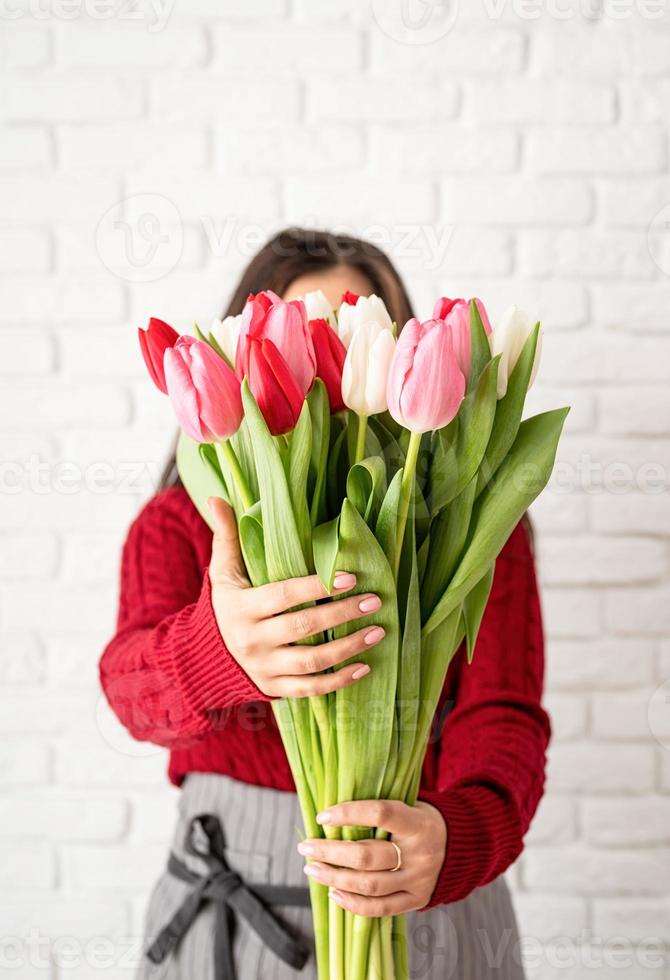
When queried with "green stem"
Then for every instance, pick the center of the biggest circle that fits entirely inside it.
(400, 951)
(241, 484)
(406, 488)
(386, 948)
(336, 941)
(360, 438)
(360, 948)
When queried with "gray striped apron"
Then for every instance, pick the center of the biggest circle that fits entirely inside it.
(475, 939)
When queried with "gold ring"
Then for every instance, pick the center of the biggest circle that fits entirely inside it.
(399, 854)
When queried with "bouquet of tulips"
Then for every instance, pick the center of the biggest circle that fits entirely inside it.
(400, 456)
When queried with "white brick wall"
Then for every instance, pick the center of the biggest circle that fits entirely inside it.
(516, 156)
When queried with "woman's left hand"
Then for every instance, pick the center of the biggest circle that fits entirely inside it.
(359, 873)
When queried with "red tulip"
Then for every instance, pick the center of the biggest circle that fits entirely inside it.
(204, 391)
(425, 383)
(154, 341)
(350, 298)
(456, 314)
(278, 394)
(267, 317)
(330, 355)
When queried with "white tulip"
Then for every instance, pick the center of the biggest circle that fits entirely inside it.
(319, 308)
(368, 309)
(226, 333)
(507, 339)
(366, 369)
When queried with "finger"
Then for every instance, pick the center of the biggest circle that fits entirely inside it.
(364, 855)
(395, 904)
(277, 597)
(374, 885)
(226, 563)
(390, 815)
(312, 659)
(310, 686)
(291, 627)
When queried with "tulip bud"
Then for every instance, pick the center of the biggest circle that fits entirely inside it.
(350, 298)
(267, 317)
(368, 309)
(277, 393)
(366, 367)
(226, 333)
(508, 338)
(204, 391)
(319, 307)
(154, 341)
(456, 314)
(330, 355)
(426, 385)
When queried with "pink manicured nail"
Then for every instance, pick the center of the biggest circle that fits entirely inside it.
(344, 580)
(324, 817)
(374, 635)
(361, 671)
(370, 603)
(305, 848)
(336, 897)
(312, 871)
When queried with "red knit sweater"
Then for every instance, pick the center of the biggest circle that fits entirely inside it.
(171, 680)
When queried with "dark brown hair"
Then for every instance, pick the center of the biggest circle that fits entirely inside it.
(295, 252)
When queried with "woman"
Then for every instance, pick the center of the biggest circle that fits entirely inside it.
(199, 654)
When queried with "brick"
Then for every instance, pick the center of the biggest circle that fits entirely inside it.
(23, 46)
(26, 865)
(122, 45)
(644, 611)
(123, 868)
(626, 823)
(183, 98)
(633, 203)
(116, 763)
(591, 560)
(25, 149)
(597, 357)
(62, 817)
(632, 306)
(91, 558)
(212, 199)
(425, 150)
(71, 496)
(571, 612)
(584, 254)
(645, 100)
(58, 915)
(591, 767)
(26, 352)
(497, 52)
(21, 659)
(384, 202)
(546, 916)
(584, 871)
(582, 417)
(81, 301)
(542, 102)
(53, 403)
(293, 49)
(28, 556)
(58, 609)
(24, 250)
(379, 100)
(568, 713)
(208, 10)
(76, 254)
(554, 821)
(559, 513)
(600, 151)
(307, 150)
(156, 816)
(54, 197)
(136, 146)
(608, 465)
(599, 663)
(630, 714)
(650, 51)
(24, 761)
(636, 918)
(70, 661)
(516, 201)
(630, 411)
(448, 251)
(72, 98)
(586, 53)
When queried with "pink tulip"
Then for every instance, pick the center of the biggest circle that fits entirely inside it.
(204, 391)
(426, 385)
(456, 314)
(267, 317)
(154, 341)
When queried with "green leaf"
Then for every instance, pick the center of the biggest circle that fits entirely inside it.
(199, 334)
(284, 554)
(366, 487)
(448, 535)
(253, 545)
(474, 606)
(361, 721)
(319, 409)
(520, 479)
(325, 546)
(509, 411)
(299, 455)
(480, 349)
(201, 478)
(459, 448)
(337, 472)
(387, 522)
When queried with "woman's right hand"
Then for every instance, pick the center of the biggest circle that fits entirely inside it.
(259, 630)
